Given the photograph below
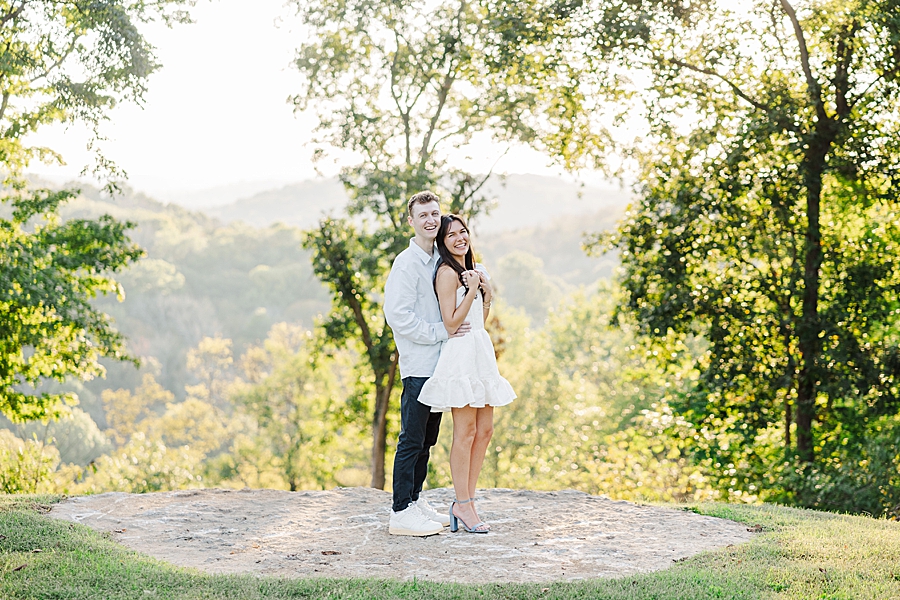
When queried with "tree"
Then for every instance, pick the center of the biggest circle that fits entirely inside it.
(396, 86)
(49, 274)
(161, 443)
(288, 393)
(71, 61)
(767, 222)
(62, 62)
(75, 435)
(24, 464)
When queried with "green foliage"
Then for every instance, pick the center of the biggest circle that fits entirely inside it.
(558, 243)
(143, 465)
(24, 464)
(767, 225)
(295, 402)
(62, 62)
(75, 436)
(861, 474)
(50, 271)
(397, 85)
(274, 418)
(199, 279)
(68, 61)
(163, 444)
(156, 452)
(521, 280)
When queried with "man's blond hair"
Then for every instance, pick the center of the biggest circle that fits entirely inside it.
(421, 198)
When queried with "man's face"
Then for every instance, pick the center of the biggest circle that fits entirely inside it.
(425, 220)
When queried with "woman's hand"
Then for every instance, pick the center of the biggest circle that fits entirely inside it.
(472, 279)
(486, 288)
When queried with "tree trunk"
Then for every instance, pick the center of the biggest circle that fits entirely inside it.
(788, 419)
(379, 423)
(809, 327)
(379, 436)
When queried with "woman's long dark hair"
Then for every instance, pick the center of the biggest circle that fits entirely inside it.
(444, 252)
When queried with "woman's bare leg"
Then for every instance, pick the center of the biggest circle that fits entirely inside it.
(464, 433)
(484, 430)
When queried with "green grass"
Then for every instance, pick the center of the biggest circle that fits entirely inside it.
(800, 554)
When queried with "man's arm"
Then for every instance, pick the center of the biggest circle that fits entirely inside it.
(399, 311)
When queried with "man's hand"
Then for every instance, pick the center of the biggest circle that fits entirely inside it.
(464, 328)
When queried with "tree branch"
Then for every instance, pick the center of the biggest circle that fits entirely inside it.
(852, 103)
(815, 91)
(444, 90)
(732, 85)
(59, 62)
(443, 93)
(4, 104)
(12, 14)
(841, 78)
(484, 180)
(404, 114)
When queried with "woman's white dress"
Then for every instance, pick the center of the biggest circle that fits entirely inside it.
(466, 373)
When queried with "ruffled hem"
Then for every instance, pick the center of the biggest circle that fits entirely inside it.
(444, 393)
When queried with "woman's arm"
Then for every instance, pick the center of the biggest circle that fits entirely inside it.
(445, 284)
(488, 296)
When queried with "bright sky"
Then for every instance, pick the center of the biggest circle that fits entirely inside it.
(216, 112)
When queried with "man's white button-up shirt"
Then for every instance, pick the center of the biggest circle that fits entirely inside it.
(411, 309)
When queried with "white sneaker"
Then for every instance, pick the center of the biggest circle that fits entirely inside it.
(425, 509)
(411, 521)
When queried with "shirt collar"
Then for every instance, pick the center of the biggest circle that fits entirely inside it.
(417, 250)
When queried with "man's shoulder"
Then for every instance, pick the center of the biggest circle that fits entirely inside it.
(405, 254)
(405, 259)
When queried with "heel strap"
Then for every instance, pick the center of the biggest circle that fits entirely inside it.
(464, 501)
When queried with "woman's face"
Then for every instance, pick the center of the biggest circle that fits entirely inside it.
(457, 240)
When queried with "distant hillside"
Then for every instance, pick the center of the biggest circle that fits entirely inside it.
(529, 201)
(558, 244)
(228, 271)
(199, 279)
(521, 201)
(298, 205)
(216, 196)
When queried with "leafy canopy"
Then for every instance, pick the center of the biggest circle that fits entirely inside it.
(62, 62)
(396, 87)
(768, 224)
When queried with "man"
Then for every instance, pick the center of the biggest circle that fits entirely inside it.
(411, 309)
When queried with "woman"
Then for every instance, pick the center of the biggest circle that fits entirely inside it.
(466, 380)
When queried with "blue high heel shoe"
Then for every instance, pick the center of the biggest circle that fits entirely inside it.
(455, 521)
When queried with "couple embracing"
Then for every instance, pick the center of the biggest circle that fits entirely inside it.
(436, 301)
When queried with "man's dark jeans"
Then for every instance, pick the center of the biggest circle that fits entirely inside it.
(419, 428)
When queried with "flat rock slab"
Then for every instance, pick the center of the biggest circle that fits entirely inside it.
(535, 536)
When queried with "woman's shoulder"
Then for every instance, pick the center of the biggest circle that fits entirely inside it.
(444, 270)
(446, 277)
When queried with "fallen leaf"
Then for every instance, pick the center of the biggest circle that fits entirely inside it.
(755, 529)
(20, 567)
(123, 530)
(36, 550)
(330, 552)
